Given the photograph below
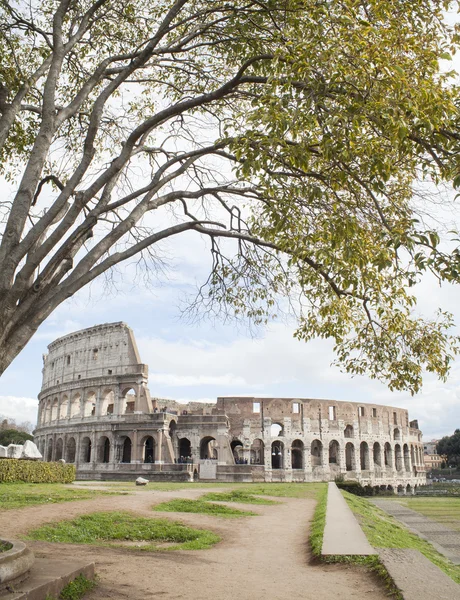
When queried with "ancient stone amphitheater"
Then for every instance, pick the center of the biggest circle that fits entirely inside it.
(95, 410)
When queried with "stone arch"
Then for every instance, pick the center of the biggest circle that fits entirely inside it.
(297, 452)
(406, 457)
(257, 452)
(75, 405)
(277, 454)
(408, 489)
(47, 413)
(350, 460)
(334, 452)
(89, 407)
(126, 449)
(49, 450)
(237, 451)
(185, 448)
(400, 489)
(148, 449)
(85, 450)
(59, 449)
(349, 432)
(172, 428)
(388, 455)
(276, 430)
(107, 402)
(42, 447)
(64, 406)
(364, 456)
(54, 409)
(103, 449)
(377, 455)
(70, 450)
(316, 453)
(128, 403)
(208, 448)
(398, 458)
(397, 434)
(412, 454)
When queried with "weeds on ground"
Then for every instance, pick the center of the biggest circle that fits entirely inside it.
(5, 546)
(117, 529)
(285, 490)
(19, 495)
(236, 496)
(383, 531)
(76, 589)
(198, 506)
(442, 510)
(318, 523)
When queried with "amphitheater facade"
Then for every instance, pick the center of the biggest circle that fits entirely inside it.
(95, 410)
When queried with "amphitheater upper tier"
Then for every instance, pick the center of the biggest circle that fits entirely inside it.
(95, 410)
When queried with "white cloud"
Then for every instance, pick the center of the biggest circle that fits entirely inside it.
(173, 380)
(19, 409)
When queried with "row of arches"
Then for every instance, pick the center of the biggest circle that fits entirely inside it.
(87, 404)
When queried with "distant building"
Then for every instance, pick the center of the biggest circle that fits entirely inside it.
(431, 458)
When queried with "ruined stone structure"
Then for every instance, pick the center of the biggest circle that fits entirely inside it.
(95, 410)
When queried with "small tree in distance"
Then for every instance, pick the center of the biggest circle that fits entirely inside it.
(290, 134)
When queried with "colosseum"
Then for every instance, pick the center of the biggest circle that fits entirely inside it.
(95, 410)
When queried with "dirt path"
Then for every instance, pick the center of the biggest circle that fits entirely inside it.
(264, 557)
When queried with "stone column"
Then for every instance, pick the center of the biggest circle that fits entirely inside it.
(160, 447)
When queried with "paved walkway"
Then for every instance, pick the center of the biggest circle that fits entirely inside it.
(445, 540)
(342, 532)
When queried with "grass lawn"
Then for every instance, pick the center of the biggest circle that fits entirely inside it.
(199, 506)
(122, 529)
(443, 510)
(383, 531)
(236, 496)
(18, 495)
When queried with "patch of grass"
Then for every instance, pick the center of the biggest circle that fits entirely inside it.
(383, 531)
(19, 495)
(236, 496)
(198, 506)
(77, 588)
(5, 546)
(318, 523)
(443, 510)
(285, 490)
(118, 529)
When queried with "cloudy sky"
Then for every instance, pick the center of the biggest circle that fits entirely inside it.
(204, 360)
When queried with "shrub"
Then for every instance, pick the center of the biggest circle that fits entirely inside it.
(13, 470)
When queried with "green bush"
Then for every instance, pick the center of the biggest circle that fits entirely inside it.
(354, 487)
(13, 470)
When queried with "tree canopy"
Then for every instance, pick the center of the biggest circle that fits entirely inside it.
(450, 446)
(293, 135)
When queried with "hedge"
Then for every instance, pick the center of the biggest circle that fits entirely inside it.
(13, 470)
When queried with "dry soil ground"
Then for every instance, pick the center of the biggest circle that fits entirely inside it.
(263, 557)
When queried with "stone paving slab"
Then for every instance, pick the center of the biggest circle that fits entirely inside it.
(416, 576)
(445, 540)
(342, 532)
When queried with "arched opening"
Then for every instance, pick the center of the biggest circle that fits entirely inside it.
(126, 452)
(108, 402)
(406, 458)
(54, 410)
(148, 449)
(64, 407)
(350, 457)
(59, 449)
(398, 458)
(390, 488)
(129, 401)
(316, 453)
(412, 454)
(364, 456)
(377, 455)
(47, 416)
(103, 454)
(297, 449)
(70, 450)
(276, 430)
(195, 475)
(42, 447)
(89, 408)
(237, 451)
(172, 428)
(277, 454)
(185, 449)
(257, 452)
(334, 453)
(348, 433)
(388, 455)
(397, 434)
(75, 406)
(85, 450)
(49, 450)
(408, 489)
(400, 489)
(208, 448)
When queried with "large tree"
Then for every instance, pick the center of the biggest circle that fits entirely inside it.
(450, 446)
(291, 134)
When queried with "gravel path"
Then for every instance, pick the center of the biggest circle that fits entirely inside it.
(445, 540)
(264, 557)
